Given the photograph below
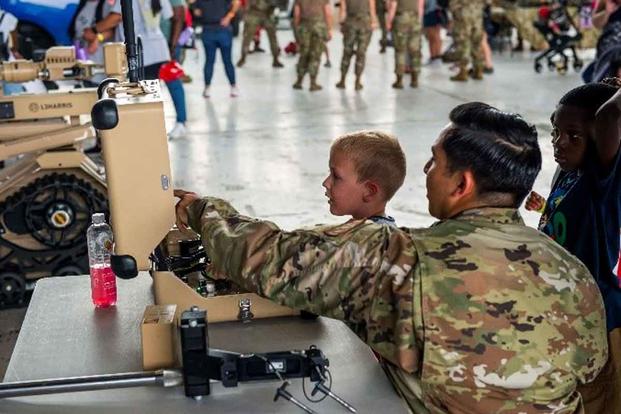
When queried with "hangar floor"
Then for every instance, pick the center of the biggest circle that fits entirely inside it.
(267, 150)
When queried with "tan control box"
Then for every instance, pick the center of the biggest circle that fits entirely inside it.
(158, 331)
(238, 307)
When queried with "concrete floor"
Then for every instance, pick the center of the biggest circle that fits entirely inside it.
(267, 150)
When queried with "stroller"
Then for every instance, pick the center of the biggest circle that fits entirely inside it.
(562, 34)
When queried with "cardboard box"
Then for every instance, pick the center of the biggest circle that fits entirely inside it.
(159, 337)
(169, 289)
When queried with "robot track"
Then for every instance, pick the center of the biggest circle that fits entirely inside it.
(43, 231)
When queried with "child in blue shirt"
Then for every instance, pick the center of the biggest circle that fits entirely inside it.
(583, 211)
(366, 170)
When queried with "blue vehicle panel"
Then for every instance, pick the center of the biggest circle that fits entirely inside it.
(53, 16)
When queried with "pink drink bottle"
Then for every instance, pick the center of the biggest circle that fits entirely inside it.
(103, 280)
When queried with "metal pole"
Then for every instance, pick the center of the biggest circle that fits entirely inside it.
(131, 48)
(164, 378)
(329, 393)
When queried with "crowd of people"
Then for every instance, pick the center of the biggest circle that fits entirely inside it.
(473, 26)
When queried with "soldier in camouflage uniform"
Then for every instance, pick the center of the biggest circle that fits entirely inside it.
(476, 314)
(522, 14)
(380, 11)
(467, 35)
(260, 13)
(404, 19)
(358, 20)
(312, 21)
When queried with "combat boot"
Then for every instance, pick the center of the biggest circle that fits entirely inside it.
(462, 75)
(477, 73)
(341, 84)
(314, 86)
(298, 83)
(358, 83)
(398, 83)
(414, 80)
(241, 60)
(277, 64)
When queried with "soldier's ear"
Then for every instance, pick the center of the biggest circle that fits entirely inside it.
(466, 184)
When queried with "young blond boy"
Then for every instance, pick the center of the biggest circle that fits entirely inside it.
(366, 170)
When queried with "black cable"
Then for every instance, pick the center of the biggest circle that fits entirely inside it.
(329, 387)
(264, 358)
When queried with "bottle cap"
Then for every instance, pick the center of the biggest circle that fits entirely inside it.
(99, 218)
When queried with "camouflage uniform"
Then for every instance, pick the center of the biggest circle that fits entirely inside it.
(468, 34)
(406, 35)
(480, 312)
(260, 13)
(311, 35)
(356, 36)
(522, 18)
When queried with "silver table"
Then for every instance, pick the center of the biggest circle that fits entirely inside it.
(63, 335)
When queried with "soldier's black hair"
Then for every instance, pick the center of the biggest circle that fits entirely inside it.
(592, 96)
(500, 148)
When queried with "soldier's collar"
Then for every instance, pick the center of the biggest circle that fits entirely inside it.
(492, 215)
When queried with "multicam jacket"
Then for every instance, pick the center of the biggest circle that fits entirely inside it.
(480, 312)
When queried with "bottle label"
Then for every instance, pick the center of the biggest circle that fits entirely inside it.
(105, 241)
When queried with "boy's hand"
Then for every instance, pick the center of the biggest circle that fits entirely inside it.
(535, 202)
(186, 198)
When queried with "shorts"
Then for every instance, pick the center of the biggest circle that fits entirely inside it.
(433, 18)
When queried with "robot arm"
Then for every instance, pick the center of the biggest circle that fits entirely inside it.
(60, 63)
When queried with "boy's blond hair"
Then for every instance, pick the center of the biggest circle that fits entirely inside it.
(376, 156)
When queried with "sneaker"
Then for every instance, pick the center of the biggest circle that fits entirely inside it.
(178, 131)
(206, 92)
(434, 61)
(234, 92)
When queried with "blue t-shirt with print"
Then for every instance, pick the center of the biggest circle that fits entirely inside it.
(583, 214)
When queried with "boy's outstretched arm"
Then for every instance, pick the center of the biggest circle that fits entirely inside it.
(607, 136)
(357, 272)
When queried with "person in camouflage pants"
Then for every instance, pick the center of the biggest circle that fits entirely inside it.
(358, 20)
(522, 14)
(476, 314)
(259, 13)
(467, 35)
(404, 20)
(312, 20)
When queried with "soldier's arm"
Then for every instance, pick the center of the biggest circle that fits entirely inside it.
(421, 9)
(342, 11)
(392, 9)
(327, 15)
(373, 13)
(591, 333)
(358, 272)
(296, 15)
